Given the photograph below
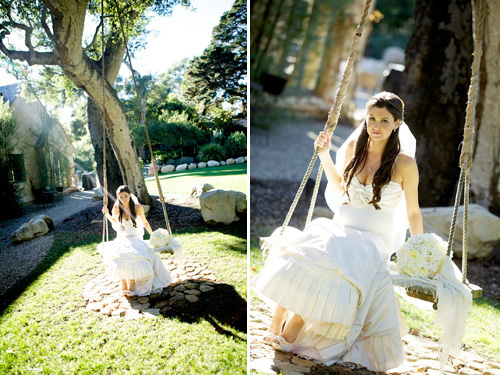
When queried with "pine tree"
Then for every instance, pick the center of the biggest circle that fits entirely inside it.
(219, 74)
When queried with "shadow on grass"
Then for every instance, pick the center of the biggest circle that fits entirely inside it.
(62, 243)
(222, 307)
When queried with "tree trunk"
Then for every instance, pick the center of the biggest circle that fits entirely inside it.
(485, 172)
(297, 78)
(271, 35)
(68, 21)
(293, 31)
(435, 85)
(338, 30)
(259, 27)
(113, 173)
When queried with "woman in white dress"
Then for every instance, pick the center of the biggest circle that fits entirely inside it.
(331, 284)
(128, 257)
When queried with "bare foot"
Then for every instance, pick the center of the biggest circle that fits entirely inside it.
(131, 286)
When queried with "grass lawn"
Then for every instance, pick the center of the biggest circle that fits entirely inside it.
(47, 329)
(482, 334)
(229, 177)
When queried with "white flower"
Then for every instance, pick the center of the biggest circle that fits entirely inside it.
(421, 256)
(360, 197)
(159, 238)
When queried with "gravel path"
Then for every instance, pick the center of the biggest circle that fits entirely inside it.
(18, 260)
(283, 152)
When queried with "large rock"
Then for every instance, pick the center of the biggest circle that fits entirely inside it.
(240, 160)
(202, 164)
(197, 189)
(213, 163)
(222, 162)
(483, 229)
(168, 168)
(181, 167)
(36, 227)
(98, 195)
(192, 166)
(221, 206)
(230, 161)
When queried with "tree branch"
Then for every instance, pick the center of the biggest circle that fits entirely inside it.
(31, 56)
(45, 26)
(95, 36)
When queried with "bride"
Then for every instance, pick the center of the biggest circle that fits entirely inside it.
(128, 257)
(331, 284)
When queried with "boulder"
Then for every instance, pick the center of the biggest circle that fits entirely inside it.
(36, 227)
(192, 166)
(197, 189)
(202, 164)
(181, 167)
(98, 195)
(245, 159)
(221, 206)
(240, 160)
(230, 161)
(222, 162)
(151, 171)
(167, 168)
(213, 163)
(483, 229)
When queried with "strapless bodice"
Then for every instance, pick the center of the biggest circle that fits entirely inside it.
(358, 214)
(127, 229)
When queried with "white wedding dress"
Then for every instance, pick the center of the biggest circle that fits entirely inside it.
(335, 274)
(129, 257)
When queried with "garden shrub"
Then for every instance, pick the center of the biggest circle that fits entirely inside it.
(236, 145)
(212, 151)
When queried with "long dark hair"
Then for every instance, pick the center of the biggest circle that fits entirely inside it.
(382, 177)
(125, 189)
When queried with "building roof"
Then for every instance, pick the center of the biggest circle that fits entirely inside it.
(10, 92)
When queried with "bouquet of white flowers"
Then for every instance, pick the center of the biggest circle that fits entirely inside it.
(421, 256)
(160, 238)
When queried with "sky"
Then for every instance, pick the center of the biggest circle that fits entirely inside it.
(186, 33)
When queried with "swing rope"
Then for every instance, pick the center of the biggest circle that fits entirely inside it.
(331, 123)
(467, 146)
(143, 117)
(105, 229)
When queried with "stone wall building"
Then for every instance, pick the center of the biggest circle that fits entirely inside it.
(43, 159)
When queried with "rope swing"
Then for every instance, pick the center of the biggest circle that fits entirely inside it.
(174, 246)
(465, 157)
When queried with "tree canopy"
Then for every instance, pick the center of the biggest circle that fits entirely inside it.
(219, 74)
(53, 34)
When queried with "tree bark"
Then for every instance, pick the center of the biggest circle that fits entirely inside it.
(435, 85)
(68, 20)
(113, 173)
(338, 31)
(299, 72)
(485, 171)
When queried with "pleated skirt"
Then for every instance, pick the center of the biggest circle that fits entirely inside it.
(336, 280)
